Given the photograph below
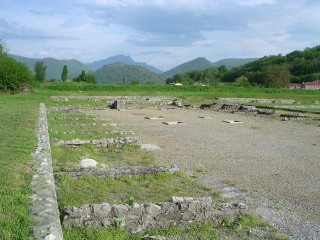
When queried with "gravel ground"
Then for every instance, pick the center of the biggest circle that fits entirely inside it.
(276, 164)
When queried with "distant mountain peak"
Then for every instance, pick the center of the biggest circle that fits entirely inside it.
(199, 63)
(122, 58)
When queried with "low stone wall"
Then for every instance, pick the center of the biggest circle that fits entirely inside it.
(44, 207)
(91, 132)
(255, 100)
(129, 99)
(120, 171)
(141, 217)
(65, 109)
(101, 142)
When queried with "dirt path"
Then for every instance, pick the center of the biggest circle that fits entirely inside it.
(276, 163)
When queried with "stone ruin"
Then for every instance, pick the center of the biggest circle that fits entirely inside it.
(136, 217)
(98, 142)
(141, 217)
(43, 208)
(230, 107)
(255, 100)
(119, 171)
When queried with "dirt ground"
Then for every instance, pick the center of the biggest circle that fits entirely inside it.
(277, 164)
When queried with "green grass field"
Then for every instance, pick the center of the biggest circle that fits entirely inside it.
(19, 115)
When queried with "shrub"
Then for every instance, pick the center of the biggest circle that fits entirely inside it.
(14, 76)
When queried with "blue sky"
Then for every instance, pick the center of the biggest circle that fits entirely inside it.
(162, 33)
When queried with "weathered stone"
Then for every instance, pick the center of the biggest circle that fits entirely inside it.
(98, 142)
(173, 123)
(120, 171)
(149, 146)
(43, 210)
(177, 103)
(134, 228)
(136, 209)
(153, 209)
(102, 210)
(155, 118)
(232, 121)
(106, 222)
(147, 237)
(88, 163)
(120, 211)
(141, 217)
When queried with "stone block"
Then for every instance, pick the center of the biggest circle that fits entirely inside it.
(152, 209)
(102, 210)
(120, 211)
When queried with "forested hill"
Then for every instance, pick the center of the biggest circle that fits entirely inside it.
(121, 72)
(233, 62)
(54, 66)
(202, 63)
(196, 64)
(121, 58)
(302, 65)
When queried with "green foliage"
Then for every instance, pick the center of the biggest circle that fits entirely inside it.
(64, 74)
(276, 76)
(40, 71)
(302, 66)
(196, 64)
(124, 73)
(242, 82)
(135, 81)
(84, 77)
(130, 201)
(14, 76)
(210, 76)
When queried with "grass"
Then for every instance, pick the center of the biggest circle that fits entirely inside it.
(68, 156)
(142, 188)
(197, 93)
(245, 227)
(18, 117)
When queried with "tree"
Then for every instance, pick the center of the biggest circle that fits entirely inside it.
(14, 76)
(40, 71)
(222, 69)
(275, 76)
(83, 77)
(135, 81)
(242, 82)
(64, 74)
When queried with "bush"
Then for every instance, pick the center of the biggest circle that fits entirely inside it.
(14, 76)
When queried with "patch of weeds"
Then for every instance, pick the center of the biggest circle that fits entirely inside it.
(112, 156)
(201, 169)
(251, 226)
(144, 188)
(130, 201)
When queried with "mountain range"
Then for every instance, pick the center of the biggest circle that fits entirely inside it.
(55, 66)
(203, 63)
(121, 68)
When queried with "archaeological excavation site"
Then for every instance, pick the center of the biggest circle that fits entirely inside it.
(162, 168)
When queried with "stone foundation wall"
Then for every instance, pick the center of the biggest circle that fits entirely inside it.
(44, 211)
(120, 171)
(255, 100)
(100, 142)
(141, 217)
(165, 100)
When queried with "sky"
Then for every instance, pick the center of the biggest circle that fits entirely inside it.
(162, 33)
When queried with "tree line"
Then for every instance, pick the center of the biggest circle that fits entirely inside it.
(269, 71)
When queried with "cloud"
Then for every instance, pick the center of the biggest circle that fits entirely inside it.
(162, 32)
